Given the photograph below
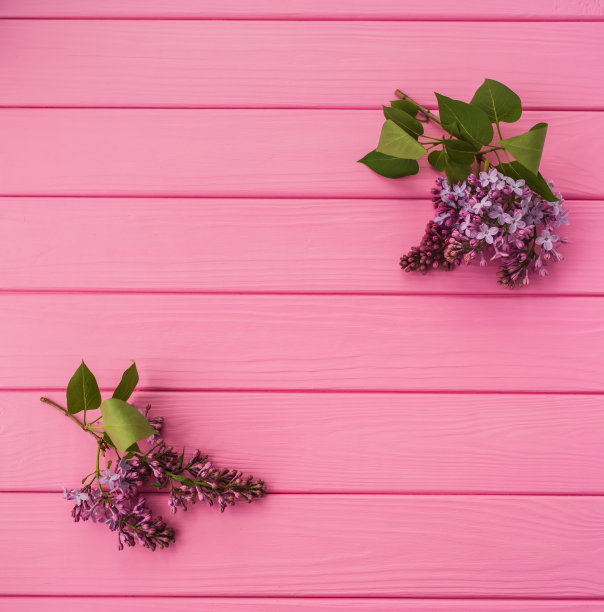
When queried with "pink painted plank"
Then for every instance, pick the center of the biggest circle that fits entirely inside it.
(278, 153)
(406, 343)
(254, 245)
(320, 64)
(353, 545)
(294, 604)
(304, 442)
(305, 9)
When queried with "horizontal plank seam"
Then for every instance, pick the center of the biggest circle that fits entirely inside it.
(323, 18)
(281, 596)
(168, 107)
(268, 196)
(201, 292)
(318, 391)
(210, 196)
(589, 494)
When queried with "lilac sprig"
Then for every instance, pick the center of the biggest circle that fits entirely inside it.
(491, 217)
(114, 496)
(194, 480)
(508, 212)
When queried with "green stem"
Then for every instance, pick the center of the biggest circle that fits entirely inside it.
(422, 109)
(87, 477)
(98, 458)
(98, 472)
(431, 137)
(479, 161)
(501, 138)
(70, 416)
(492, 149)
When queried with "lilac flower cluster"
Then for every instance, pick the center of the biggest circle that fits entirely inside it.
(492, 216)
(114, 497)
(122, 509)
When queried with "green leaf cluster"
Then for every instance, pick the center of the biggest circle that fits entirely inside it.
(122, 425)
(468, 140)
(398, 148)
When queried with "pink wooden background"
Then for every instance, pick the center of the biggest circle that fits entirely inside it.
(178, 185)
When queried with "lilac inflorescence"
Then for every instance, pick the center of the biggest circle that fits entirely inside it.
(123, 510)
(114, 497)
(491, 216)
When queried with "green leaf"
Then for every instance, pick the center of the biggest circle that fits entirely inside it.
(464, 121)
(128, 383)
(405, 105)
(107, 440)
(404, 120)
(456, 173)
(459, 151)
(498, 101)
(398, 143)
(438, 160)
(537, 183)
(83, 391)
(124, 424)
(528, 147)
(389, 166)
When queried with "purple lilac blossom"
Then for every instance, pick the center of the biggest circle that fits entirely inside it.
(124, 510)
(492, 215)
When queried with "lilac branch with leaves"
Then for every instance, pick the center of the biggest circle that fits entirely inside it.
(492, 202)
(114, 496)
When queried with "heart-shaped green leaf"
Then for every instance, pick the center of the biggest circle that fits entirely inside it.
(128, 383)
(404, 120)
(134, 448)
(398, 143)
(438, 160)
(405, 105)
(537, 183)
(498, 101)
(391, 167)
(124, 424)
(456, 173)
(459, 151)
(464, 121)
(528, 147)
(83, 391)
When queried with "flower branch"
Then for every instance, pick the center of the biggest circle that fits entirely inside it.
(424, 111)
(113, 496)
(500, 210)
(79, 423)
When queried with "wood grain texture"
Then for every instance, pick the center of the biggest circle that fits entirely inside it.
(305, 9)
(340, 442)
(297, 604)
(353, 545)
(307, 342)
(278, 153)
(265, 245)
(274, 64)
